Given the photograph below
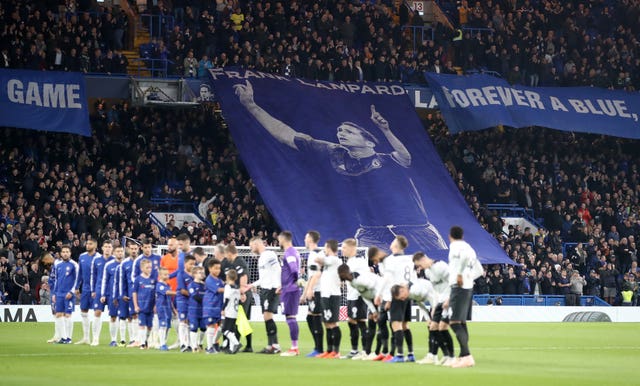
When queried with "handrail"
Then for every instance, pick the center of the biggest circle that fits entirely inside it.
(414, 29)
(167, 20)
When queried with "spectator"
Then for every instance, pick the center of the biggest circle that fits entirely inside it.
(45, 292)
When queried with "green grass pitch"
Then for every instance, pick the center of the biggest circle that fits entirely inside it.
(506, 353)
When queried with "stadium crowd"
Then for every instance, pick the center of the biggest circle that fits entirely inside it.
(58, 189)
(532, 42)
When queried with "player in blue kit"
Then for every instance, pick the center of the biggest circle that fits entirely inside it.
(84, 287)
(144, 289)
(121, 288)
(127, 283)
(63, 293)
(182, 300)
(109, 294)
(147, 253)
(197, 324)
(164, 308)
(212, 305)
(97, 270)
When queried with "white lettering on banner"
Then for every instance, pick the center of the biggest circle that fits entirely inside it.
(54, 95)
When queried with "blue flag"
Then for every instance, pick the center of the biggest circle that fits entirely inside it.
(349, 160)
(49, 101)
(476, 102)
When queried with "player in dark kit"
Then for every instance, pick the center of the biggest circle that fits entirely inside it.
(290, 292)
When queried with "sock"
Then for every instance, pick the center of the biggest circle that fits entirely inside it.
(113, 330)
(293, 328)
(383, 335)
(337, 337)
(193, 339)
(310, 323)
(398, 338)
(86, 325)
(409, 339)
(272, 332)
(364, 334)
(123, 330)
(231, 336)
(59, 328)
(392, 350)
(319, 332)
(371, 332)
(147, 333)
(463, 338)
(329, 339)
(217, 335)
(433, 344)
(133, 330)
(183, 334)
(97, 328)
(447, 343)
(142, 335)
(354, 334)
(69, 323)
(65, 327)
(211, 333)
(200, 337)
(162, 332)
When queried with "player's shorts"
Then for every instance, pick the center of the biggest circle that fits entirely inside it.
(229, 324)
(183, 309)
(291, 301)
(123, 309)
(400, 310)
(269, 300)
(211, 320)
(164, 322)
(440, 314)
(197, 323)
(357, 309)
(63, 305)
(331, 309)
(460, 302)
(145, 319)
(315, 304)
(86, 301)
(97, 305)
(113, 309)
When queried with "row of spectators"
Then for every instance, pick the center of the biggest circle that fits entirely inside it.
(545, 42)
(36, 37)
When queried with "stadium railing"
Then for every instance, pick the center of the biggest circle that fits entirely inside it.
(420, 33)
(513, 210)
(536, 300)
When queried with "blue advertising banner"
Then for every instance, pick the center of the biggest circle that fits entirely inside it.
(49, 101)
(349, 160)
(476, 102)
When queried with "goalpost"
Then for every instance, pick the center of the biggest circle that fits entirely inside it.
(252, 262)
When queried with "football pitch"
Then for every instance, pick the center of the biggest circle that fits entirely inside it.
(505, 353)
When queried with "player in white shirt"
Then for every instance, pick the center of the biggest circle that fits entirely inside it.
(330, 292)
(269, 270)
(439, 337)
(398, 268)
(356, 308)
(366, 283)
(464, 268)
(311, 292)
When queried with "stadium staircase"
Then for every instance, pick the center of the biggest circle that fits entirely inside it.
(142, 36)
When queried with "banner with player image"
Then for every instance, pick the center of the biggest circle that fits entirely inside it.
(349, 160)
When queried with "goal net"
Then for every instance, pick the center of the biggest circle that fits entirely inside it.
(252, 262)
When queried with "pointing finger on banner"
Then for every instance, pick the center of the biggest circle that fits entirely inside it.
(373, 109)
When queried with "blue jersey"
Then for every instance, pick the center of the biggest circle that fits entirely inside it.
(84, 262)
(146, 290)
(212, 300)
(196, 292)
(67, 276)
(97, 269)
(108, 284)
(184, 279)
(155, 261)
(181, 256)
(163, 301)
(124, 274)
(52, 276)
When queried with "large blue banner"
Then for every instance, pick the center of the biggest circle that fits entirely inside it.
(50, 101)
(476, 102)
(350, 160)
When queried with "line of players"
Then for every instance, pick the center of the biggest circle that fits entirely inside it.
(379, 291)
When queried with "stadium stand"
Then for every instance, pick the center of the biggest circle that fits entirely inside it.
(57, 188)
